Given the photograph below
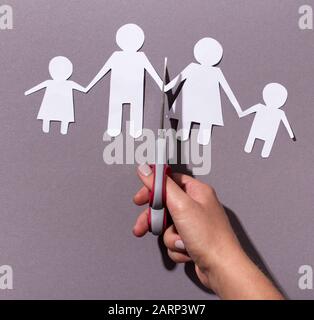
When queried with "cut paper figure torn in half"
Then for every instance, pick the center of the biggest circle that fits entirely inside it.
(127, 80)
(58, 104)
(268, 118)
(201, 101)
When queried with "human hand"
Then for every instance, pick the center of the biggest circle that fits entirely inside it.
(201, 230)
(202, 233)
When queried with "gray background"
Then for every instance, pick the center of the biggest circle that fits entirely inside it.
(66, 217)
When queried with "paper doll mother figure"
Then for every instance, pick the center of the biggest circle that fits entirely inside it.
(128, 68)
(201, 102)
(57, 104)
(268, 118)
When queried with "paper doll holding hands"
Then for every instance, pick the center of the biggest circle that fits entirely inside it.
(57, 104)
(201, 101)
(128, 68)
(268, 118)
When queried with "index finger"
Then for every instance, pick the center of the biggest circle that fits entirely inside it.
(177, 200)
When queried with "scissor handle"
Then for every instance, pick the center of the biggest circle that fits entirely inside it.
(157, 214)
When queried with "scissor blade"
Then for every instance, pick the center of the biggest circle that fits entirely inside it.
(162, 118)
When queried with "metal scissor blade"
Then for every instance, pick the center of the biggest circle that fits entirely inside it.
(162, 116)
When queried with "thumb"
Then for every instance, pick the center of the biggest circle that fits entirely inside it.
(177, 200)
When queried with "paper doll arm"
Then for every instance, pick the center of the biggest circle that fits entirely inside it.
(78, 87)
(36, 88)
(104, 70)
(287, 125)
(250, 110)
(177, 80)
(173, 83)
(224, 84)
(152, 72)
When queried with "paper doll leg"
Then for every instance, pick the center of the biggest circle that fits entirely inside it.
(114, 118)
(204, 134)
(64, 127)
(46, 126)
(250, 143)
(136, 118)
(268, 145)
(184, 128)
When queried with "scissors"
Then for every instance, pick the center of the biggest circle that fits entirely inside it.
(157, 214)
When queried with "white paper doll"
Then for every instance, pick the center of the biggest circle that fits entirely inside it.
(268, 118)
(201, 102)
(57, 104)
(127, 80)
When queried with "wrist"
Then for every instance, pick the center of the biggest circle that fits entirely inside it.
(235, 276)
(225, 265)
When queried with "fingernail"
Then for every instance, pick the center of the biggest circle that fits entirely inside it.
(145, 170)
(179, 245)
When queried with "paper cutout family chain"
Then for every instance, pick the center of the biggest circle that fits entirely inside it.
(201, 101)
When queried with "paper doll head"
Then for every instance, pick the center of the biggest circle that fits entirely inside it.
(275, 95)
(208, 51)
(130, 37)
(60, 68)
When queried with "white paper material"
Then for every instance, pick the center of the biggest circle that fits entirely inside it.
(201, 101)
(128, 68)
(58, 104)
(268, 118)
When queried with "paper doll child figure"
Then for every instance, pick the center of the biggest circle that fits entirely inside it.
(268, 118)
(57, 104)
(201, 102)
(128, 68)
